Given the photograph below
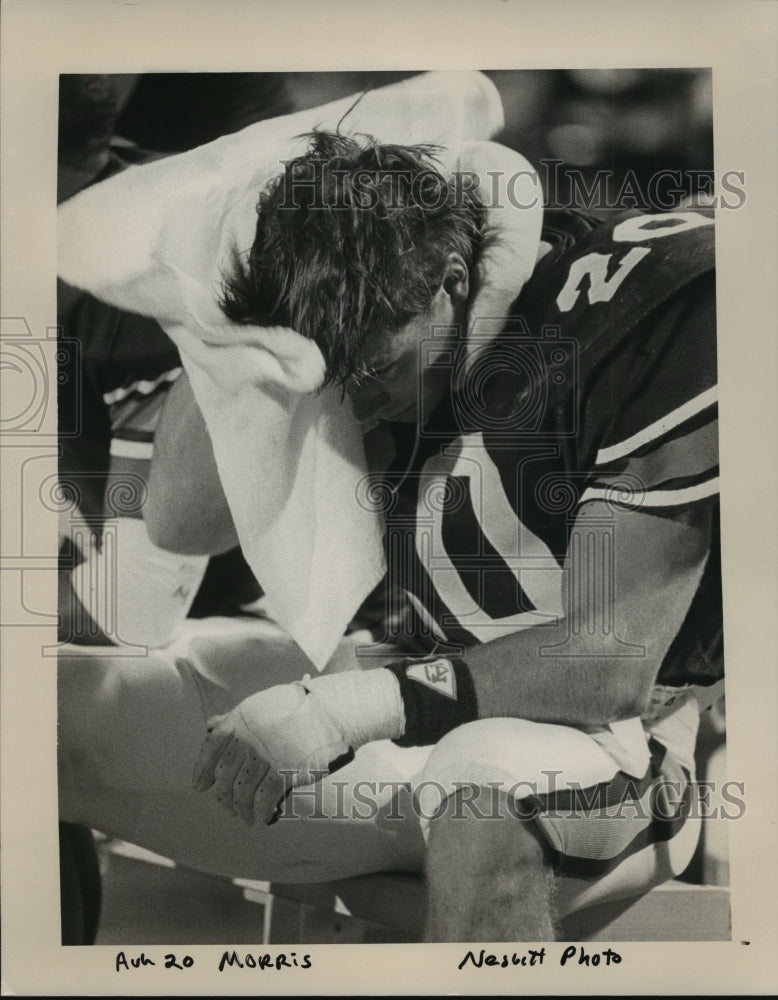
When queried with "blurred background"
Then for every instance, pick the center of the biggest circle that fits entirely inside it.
(577, 122)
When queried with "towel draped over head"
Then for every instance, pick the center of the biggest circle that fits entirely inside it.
(158, 239)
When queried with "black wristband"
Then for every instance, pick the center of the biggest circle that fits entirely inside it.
(438, 695)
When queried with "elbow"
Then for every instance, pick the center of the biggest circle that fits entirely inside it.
(631, 700)
(173, 527)
(164, 532)
(171, 537)
(186, 540)
(618, 691)
(192, 519)
(206, 535)
(158, 533)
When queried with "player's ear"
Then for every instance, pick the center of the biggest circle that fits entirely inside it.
(456, 282)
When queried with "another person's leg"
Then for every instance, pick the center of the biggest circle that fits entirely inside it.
(129, 732)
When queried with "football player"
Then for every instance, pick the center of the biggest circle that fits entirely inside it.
(553, 519)
(551, 512)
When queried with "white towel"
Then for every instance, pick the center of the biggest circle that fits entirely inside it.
(157, 239)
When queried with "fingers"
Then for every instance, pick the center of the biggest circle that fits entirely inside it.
(247, 751)
(248, 786)
(269, 796)
(247, 782)
(244, 782)
(226, 773)
(213, 746)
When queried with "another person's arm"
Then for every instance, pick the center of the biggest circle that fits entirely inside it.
(186, 510)
(125, 588)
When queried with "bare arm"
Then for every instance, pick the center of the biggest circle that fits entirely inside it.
(579, 671)
(600, 663)
(306, 729)
(186, 510)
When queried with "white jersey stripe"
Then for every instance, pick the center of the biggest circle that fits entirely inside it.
(652, 498)
(144, 387)
(658, 428)
(526, 555)
(444, 575)
(131, 449)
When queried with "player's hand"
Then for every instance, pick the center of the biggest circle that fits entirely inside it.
(294, 734)
(269, 743)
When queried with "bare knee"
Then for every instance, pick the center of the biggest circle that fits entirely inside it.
(470, 818)
(489, 873)
(479, 832)
(489, 870)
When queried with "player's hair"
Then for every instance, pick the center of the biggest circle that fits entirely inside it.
(352, 243)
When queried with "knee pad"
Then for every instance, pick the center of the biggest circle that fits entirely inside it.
(514, 756)
(467, 756)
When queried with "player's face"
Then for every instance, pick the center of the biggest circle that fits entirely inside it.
(404, 369)
(412, 367)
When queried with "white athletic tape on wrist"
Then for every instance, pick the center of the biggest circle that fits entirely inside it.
(365, 705)
(133, 590)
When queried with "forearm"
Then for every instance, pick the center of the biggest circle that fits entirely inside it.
(550, 674)
(595, 667)
(598, 664)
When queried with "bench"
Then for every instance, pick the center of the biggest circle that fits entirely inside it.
(395, 904)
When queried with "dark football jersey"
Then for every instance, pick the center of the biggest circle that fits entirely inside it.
(113, 373)
(602, 387)
(125, 364)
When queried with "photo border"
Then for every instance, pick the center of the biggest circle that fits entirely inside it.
(44, 38)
